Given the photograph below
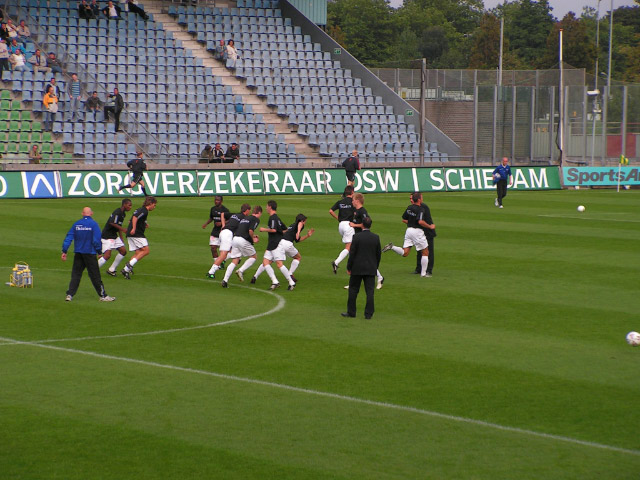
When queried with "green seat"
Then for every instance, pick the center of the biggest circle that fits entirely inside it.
(25, 116)
(46, 136)
(5, 105)
(36, 137)
(4, 125)
(67, 159)
(14, 126)
(4, 115)
(25, 127)
(57, 148)
(46, 148)
(25, 137)
(3, 137)
(3, 147)
(13, 137)
(12, 148)
(37, 127)
(45, 159)
(24, 148)
(16, 105)
(5, 95)
(15, 116)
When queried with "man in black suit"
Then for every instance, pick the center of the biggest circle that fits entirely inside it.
(364, 259)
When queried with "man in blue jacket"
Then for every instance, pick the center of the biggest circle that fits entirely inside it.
(501, 177)
(86, 235)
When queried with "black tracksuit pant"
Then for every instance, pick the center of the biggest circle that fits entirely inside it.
(90, 262)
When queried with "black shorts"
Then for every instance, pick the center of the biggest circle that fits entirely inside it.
(136, 178)
(351, 176)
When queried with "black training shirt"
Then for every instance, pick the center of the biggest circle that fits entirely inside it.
(246, 225)
(413, 214)
(117, 217)
(141, 214)
(345, 209)
(275, 237)
(215, 216)
(358, 216)
(233, 221)
(291, 232)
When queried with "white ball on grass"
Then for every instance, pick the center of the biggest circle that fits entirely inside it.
(633, 339)
(581, 208)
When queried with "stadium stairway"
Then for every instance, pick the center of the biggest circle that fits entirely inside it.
(227, 77)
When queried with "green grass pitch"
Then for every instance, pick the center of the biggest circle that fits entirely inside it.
(510, 363)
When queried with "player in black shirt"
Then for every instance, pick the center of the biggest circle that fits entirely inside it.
(430, 234)
(414, 236)
(359, 214)
(344, 206)
(286, 248)
(231, 222)
(216, 215)
(135, 234)
(243, 240)
(275, 229)
(137, 167)
(112, 237)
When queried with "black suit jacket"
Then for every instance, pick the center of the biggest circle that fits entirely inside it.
(365, 253)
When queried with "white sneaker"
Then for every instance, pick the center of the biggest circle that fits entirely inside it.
(387, 247)
(107, 298)
(346, 287)
(240, 275)
(500, 206)
(496, 202)
(380, 282)
(68, 298)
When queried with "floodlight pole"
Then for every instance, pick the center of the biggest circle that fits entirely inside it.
(561, 103)
(501, 51)
(423, 76)
(610, 47)
(595, 87)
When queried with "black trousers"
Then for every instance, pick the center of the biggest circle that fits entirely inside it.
(90, 262)
(501, 188)
(431, 257)
(354, 289)
(137, 10)
(116, 115)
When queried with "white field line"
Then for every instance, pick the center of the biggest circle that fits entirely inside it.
(591, 218)
(334, 396)
(280, 305)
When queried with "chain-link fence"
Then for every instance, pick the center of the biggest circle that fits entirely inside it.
(518, 116)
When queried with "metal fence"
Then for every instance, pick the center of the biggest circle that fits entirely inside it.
(518, 117)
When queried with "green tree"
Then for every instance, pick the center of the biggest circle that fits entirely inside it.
(367, 26)
(405, 51)
(578, 50)
(485, 53)
(527, 26)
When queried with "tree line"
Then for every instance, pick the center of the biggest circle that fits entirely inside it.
(463, 34)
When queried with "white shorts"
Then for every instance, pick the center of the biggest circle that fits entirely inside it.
(111, 244)
(242, 248)
(415, 237)
(214, 241)
(136, 243)
(285, 249)
(226, 240)
(268, 255)
(346, 231)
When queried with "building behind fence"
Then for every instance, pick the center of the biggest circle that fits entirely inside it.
(518, 117)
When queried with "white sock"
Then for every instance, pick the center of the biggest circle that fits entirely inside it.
(101, 262)
(247, 264)
(398, 250)
(343, 254)
(424, 262)
(116, 262)
(294, 266)
(379, 275)
(287, 275)
(229, 271)
(214, 268)
(133, 261)
(261, 269)
(271, 273)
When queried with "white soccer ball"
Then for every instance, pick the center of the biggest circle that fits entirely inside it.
(581, 208)
(633, 339)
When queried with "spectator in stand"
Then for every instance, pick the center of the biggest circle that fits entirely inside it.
(85, 11)
(115, 104)
(93, 104)
(221, 51)
(218, 154)
(233, 154)
(14, 46)
(17, 61)
(4, 33)
(207, 155)
(95, 8)
(34, 155)
(24, 34)
(137, 9)
(4, 56)
(50, 102)
(54, 85)
(112, 11)
(53, 63)
(11, 28)
(38, 62)
(232, 54)
(74, 91)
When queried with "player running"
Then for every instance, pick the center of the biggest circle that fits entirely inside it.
(287, 249)
(135, 234)
(414, 236)
(344, 206)
(242, 245)
(226, 237)
(217, 216)
(359, 214)
(137, 167)
(112, 237)
(275, 229)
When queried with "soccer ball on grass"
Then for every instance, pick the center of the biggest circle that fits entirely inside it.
(581, 208)
(633, 339)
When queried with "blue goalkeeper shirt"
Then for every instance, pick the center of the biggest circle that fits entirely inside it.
(86, 235)
(503, 171)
